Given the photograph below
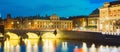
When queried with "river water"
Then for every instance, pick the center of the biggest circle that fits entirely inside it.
(54, 45)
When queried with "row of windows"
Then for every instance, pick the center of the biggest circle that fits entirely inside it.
(54, 26)
(116, 10)
(54, 23)
(112, 13)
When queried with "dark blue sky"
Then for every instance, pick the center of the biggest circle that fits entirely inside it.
(63, 8)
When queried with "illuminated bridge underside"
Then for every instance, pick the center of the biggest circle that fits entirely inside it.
(12, 35)
(32, 35)
(48, 35)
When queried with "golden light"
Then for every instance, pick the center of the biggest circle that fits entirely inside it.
(29, 23)
(30, 47)
(1, 35)
(14, 42)
(11, 46)
(6, 46)
(84, 47)
(93, 22)
(33, 41)
(13, 35)
(33, 38)
(35, 22)
(12, 22)
(48, 35)
(93, 49)
(107, 27)
(49, 45)
(84, 24)
(17, 22)
(32, 35)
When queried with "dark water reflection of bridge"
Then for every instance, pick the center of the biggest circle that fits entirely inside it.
(56, 45)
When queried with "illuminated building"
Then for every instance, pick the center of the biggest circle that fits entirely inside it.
(53, 23)
(109, 17)
(92, 20)
(79, 21)
(9, 22)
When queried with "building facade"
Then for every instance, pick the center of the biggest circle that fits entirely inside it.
(52, 23)
(92, 20)
(79, 22)
(109, 17)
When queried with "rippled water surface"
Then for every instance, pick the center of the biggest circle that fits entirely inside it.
(54, 45)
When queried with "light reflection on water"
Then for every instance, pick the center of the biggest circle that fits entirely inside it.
(64, 47)
(11, 46)
(51, 45)
(93, 49)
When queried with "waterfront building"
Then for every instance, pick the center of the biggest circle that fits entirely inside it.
(109, 20)
(52, 23)
(92, 20)
(8, 23)
(79, 22)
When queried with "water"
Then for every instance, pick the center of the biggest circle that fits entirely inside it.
(54, 45)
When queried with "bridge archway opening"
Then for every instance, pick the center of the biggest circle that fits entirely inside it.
(32, 35)
(12, 35)
(48, 35)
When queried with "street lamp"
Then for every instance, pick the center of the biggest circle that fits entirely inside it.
(17, 22)
(29, 24)
(12, 23)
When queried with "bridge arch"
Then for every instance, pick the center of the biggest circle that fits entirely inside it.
(32, 35)
(48, 35)
(12, 35)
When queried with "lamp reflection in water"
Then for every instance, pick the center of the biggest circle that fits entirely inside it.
(49, 45)
(11, 46)
(31, 42)
(115, 49)
(93, 49)
(85, 47)
(101, 49)
(64, 47)
(31, 45)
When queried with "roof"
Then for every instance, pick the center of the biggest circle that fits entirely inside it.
(95, 13)
(114, 2)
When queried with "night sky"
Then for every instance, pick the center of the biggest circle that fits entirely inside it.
(63, 8)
